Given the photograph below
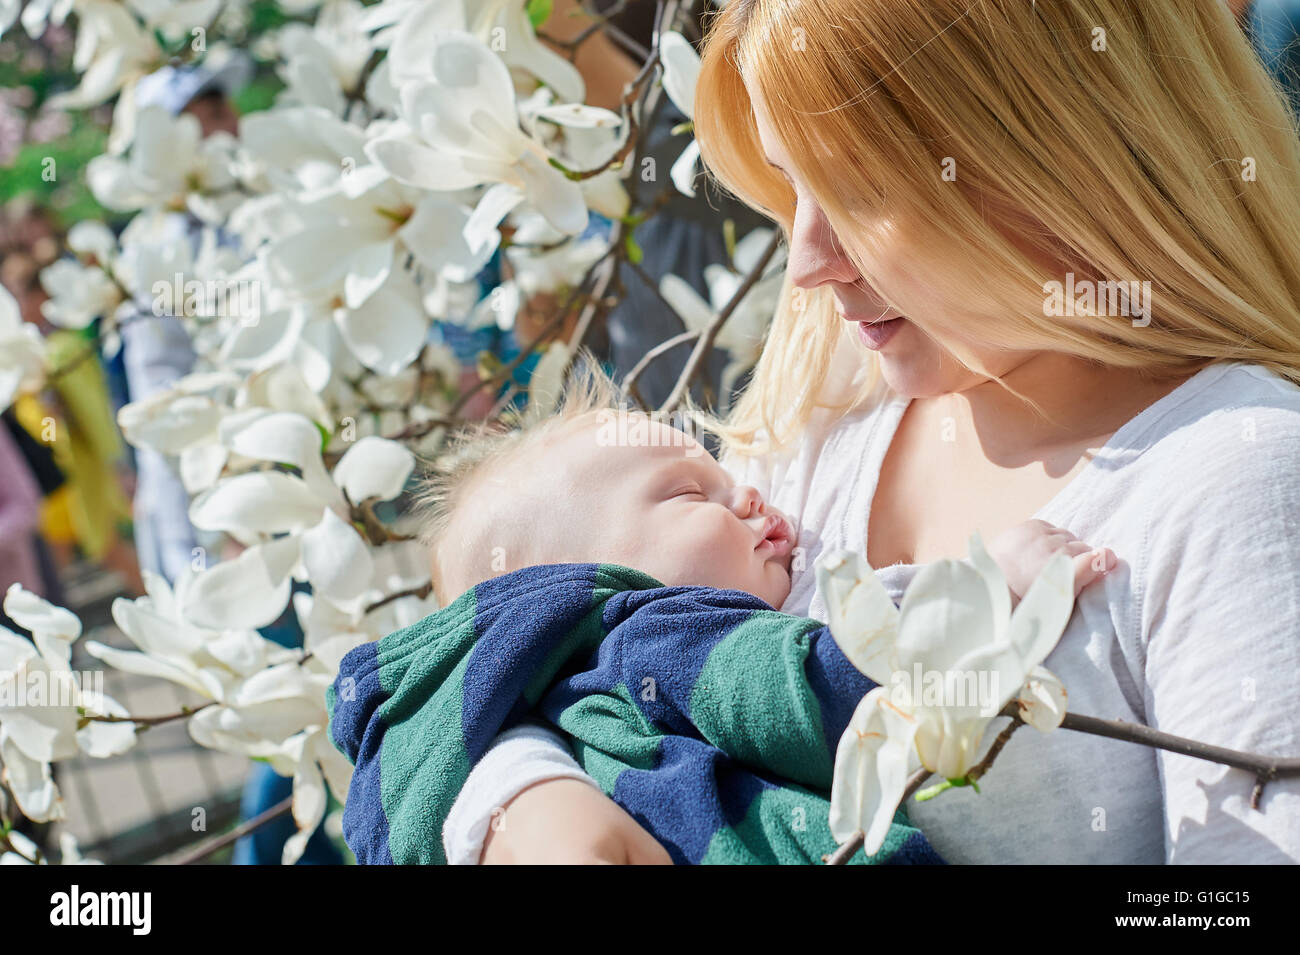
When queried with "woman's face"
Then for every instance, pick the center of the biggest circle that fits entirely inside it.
(912, 362)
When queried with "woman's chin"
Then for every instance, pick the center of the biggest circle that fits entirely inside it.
(914, 365)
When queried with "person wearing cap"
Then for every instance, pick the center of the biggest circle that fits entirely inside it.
(156, 348)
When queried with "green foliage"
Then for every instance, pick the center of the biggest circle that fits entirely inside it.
(65, 195)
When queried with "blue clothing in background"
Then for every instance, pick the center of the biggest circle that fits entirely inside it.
(1274, 28)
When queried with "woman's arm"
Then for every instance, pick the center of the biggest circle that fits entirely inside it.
(1221, 610)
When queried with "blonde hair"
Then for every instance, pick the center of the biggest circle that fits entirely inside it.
(476, 453)
(1112, 137)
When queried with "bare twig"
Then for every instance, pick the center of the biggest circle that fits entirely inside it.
(695, 363)
(217, 843)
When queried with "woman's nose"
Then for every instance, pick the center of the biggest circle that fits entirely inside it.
(816, 256)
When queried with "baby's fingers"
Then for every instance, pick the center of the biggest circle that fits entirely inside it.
(1089, 564)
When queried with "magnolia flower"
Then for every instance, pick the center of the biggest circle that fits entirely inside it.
(170, 165)
(681, 66)
(309, 511)
(742, 335)
(38, 730)
(540, 263)
(324, 61)
(113, 50)
(459, 128)
(269, 703)
(22, 352)
(406, 29)
(955, 621)
(78, 294)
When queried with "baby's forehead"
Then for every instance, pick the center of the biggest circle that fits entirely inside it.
(626, 438)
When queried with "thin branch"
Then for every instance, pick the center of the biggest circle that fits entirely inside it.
(1265, 769)
(705, 343)
(844, 853)
(183, 713)
(217, 843)
(421, 591)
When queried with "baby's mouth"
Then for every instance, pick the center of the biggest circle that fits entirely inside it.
(777, 539)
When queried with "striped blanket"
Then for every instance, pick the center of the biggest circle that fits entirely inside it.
(707, 715)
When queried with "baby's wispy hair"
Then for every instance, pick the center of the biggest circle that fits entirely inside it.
(475, 452)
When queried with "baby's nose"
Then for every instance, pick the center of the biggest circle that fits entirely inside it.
(747, 502)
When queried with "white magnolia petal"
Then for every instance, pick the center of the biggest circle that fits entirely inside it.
(690, 306)
(995, 580)
(547, 382)
(309, 801)
(480, 231)
(580, 116)
(368, 269)
(52, 626)
(287, 438)
(374, 468)
(387, 331)
(100, 739)
(30, 781)
(945, 614)
(1041, 616)
(415, 164)
(685, 169)
(435, 235)
(862, 618)
(267, 502)
(43, 733)
(170, 422)
(15, 651)
(201, 465)
(1043, 700)
(248, 592)
(556, 197)
(144, 664)
(872, 763)
(336, 559)
(681, 70)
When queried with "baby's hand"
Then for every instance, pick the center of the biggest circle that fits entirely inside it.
(1023, 551)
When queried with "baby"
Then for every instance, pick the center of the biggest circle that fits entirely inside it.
(602, 572)
(595, 483)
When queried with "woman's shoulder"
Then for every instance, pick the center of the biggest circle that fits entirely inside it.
(1228, 413)
(1225, 445)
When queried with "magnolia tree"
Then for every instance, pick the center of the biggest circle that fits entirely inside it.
(414, 140)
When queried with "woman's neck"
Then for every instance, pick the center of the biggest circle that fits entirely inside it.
(1050, 401)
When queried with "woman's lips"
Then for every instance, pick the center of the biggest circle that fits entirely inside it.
(875, 335)
(874, 330)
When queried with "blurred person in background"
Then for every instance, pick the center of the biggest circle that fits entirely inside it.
(156, 348)
(20, 512)
(84, 516)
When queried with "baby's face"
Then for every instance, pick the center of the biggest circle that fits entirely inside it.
(666, 508)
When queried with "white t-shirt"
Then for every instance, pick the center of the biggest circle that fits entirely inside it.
(1196, 633)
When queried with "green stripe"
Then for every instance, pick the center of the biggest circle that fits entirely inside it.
(753, 701)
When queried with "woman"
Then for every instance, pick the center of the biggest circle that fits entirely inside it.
(937, 166)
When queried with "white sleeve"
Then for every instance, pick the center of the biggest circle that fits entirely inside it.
(1221, 610)
(518, 758)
